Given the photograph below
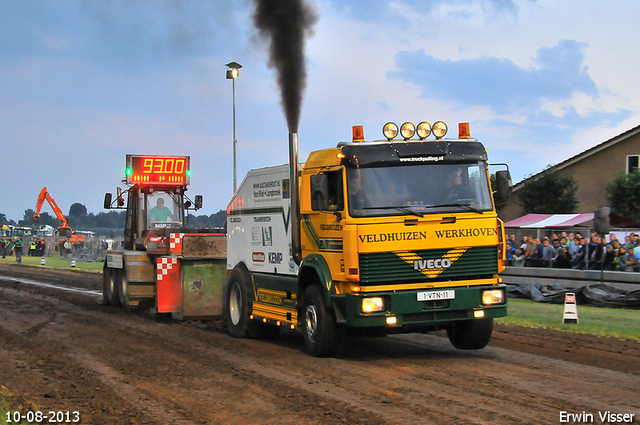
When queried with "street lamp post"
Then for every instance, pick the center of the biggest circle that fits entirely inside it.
(232, 74)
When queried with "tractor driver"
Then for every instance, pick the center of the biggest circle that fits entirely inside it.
(160, 212)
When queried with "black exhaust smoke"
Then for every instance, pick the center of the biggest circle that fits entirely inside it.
(287, 23)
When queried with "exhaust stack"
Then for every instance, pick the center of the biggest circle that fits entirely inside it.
(294, 188)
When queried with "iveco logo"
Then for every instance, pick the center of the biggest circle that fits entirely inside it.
(438, 263)
(434, 267)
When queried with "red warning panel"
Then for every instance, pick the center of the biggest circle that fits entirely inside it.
(169, 285)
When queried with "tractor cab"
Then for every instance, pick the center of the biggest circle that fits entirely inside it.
(163, 209)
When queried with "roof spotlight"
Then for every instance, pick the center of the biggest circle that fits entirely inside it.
(390, 130)
(423, 130)
(439, 129)
(407, 130)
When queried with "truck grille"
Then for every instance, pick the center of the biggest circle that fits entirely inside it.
(389, 267)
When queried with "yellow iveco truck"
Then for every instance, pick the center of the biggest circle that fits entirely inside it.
(398, 235)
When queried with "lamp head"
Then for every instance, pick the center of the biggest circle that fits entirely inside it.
(233, 71)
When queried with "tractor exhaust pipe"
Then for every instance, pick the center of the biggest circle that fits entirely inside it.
(294, 188)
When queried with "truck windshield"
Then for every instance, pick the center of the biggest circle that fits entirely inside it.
(418, 189)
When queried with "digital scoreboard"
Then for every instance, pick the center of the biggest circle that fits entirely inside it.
(157, 170)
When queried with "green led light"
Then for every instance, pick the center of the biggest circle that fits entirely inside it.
(188, 173)
(128, 171)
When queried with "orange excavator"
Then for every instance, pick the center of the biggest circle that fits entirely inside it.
(64, 232)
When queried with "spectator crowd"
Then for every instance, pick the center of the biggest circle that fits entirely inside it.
(576, 252)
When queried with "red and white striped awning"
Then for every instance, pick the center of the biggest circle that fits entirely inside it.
(549, 220)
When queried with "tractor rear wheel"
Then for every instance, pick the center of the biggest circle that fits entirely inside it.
(110, 286)
(123, 290)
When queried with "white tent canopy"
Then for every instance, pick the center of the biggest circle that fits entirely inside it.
(538, 221)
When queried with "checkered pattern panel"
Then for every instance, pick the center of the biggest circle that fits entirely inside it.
(175, 243)
(163, 265)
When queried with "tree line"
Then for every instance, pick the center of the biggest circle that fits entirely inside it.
(554, 192)
(105, 222)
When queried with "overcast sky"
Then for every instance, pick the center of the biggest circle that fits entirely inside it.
(83, 83)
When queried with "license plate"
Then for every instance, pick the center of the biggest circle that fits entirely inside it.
(436, 295)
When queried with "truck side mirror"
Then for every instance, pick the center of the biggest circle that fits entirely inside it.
(319, 192)
(107, 201)
(601, 220)
(503, 184)
(198, 201)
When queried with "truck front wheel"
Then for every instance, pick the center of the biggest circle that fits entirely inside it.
(470, 334)
(319, 328)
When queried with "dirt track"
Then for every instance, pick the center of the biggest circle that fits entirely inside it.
(63, 352)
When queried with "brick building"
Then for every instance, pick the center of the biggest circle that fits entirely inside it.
(592, 170)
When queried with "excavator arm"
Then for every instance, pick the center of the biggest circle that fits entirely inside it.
(44, 195)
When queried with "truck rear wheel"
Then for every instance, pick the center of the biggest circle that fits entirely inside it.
(237, 306)
(470, 334)
(319, 328)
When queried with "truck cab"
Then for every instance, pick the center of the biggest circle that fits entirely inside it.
(395, 235)
(400, 225)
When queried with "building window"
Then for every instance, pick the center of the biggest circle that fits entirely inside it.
(632, 163)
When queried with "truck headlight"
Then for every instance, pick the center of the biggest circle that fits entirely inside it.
(439, 129)
(370, 305)
(407, 130)
(390, 130)
(492, 296)
(423, 130)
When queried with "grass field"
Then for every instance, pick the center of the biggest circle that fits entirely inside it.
(613, 322)
(57, 263)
